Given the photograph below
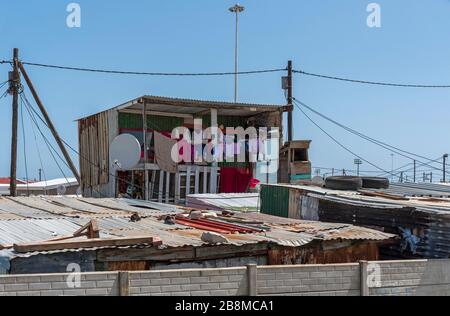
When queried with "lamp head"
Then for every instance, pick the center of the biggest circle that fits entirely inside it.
(237, 9)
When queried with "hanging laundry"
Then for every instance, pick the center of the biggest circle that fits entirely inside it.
(163, 153)
(235, 180)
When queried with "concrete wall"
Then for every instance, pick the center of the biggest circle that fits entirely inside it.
(208, 282)
(91, 284)
(412, 278)
(420, 277)
(312, 280)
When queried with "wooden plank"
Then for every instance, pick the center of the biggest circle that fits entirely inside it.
(160, 186)
(90, 230)
(147, 254)
(215, 142)
(205, 180)
(177, 187)
(152, 185)
(147, 185)
(89, 243)
(188, 181)
(167, 187)
(197, 180)
(384, 195)
(185, 254)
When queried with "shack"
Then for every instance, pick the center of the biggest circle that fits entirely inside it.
(419, 213)
(47, 234)
(155, 178)
(63, 186)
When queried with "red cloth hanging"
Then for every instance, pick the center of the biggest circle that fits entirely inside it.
(235, 180)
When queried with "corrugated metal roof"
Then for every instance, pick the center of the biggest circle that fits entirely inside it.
(190, 106)
(319, 230)
(236, 202)
(55, 218)
(418, 190)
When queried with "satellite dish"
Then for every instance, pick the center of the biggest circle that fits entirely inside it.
(61, 190)
(124, 152)
(318, 181)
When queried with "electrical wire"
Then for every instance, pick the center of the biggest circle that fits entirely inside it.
(386, 146)
(338, 169)
(76, 152)
(370, 82)
(51, 149)
(232, 73)
(4, 94)
(24, 148)
(3, 83)
(40, 157)
(342, 145)
(422, 165)
(168, 74)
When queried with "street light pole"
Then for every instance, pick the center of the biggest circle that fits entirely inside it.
(444, 167)
(358, 163)
(236, 9)
(392, 170)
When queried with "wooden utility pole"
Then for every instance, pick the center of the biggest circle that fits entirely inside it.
(14, 90)
(50, 124)
(290, 100)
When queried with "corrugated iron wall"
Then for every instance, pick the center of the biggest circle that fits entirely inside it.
(275, 200)
(93, 137)
(159, 123)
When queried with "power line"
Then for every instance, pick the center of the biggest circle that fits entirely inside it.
(47, 142)
(76, 152)
(340, 169)
(175, 74)
(386, 146)
(24, 147)
(3, 83)
(340, 144)
(370, 82)
(39, 156)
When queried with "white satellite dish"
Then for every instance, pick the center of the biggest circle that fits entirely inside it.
(61, 190)
(124, 152)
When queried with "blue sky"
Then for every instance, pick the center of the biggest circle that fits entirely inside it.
(326, 36)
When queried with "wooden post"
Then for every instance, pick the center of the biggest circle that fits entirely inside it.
(177, 188)
(161, 186)
(188, 181)
(215, 142)
(167, 187)
(144, 137)
(197, 180)
(50, 124)
(290, 103)
(205, 180)
(14, 89)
